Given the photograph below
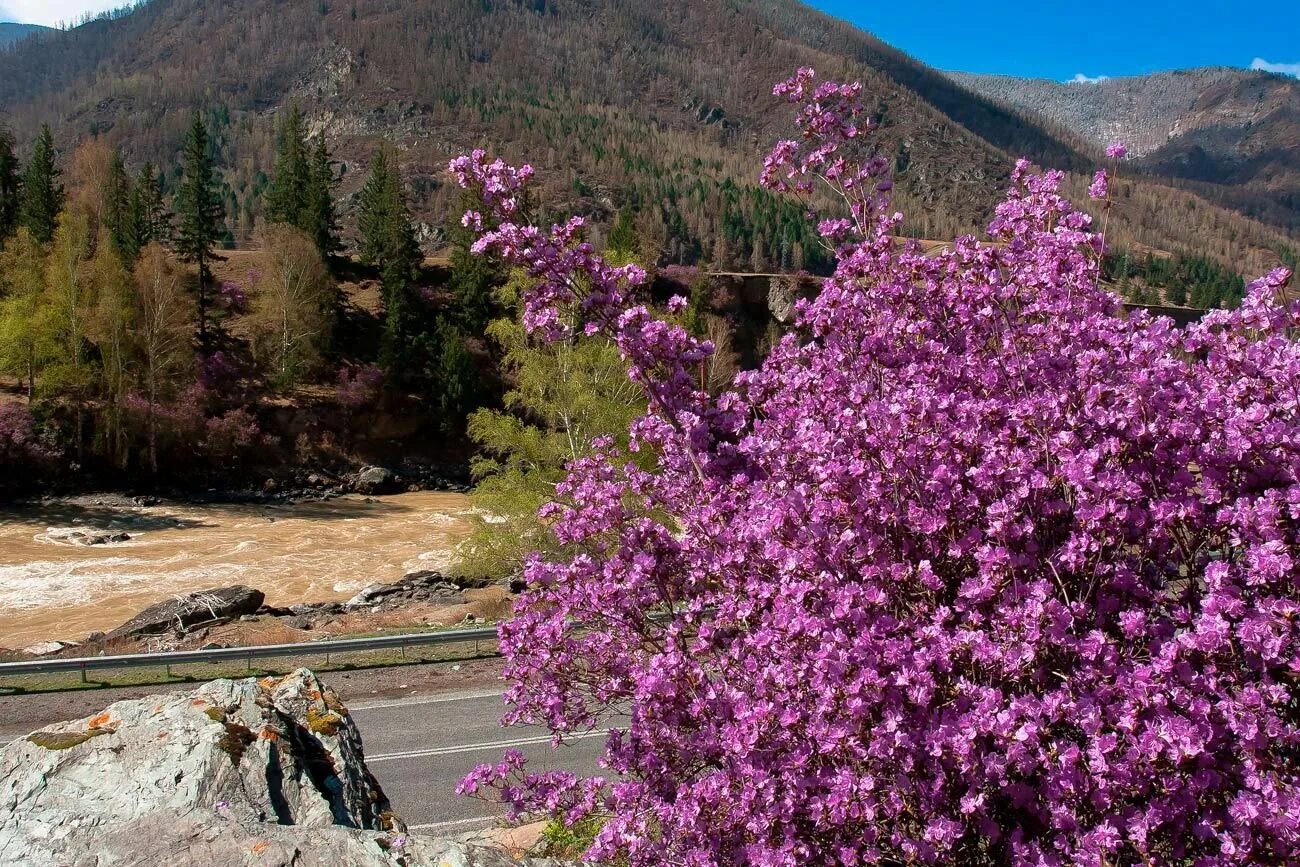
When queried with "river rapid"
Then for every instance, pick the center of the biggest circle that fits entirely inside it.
(54, 587)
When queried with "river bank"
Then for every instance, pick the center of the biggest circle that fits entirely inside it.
(73, 566)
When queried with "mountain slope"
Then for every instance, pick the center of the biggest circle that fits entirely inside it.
(1232, 134)
(662, 107)
(11, 32)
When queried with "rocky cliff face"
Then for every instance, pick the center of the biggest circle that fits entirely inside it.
(245, 772)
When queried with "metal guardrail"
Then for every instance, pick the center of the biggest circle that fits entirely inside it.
(248, 654)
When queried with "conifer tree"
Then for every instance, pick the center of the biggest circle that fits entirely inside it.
(287, 199)
(201, 215)
(386, 234)
(622, 238)
(456, 378)
(116, 209)
(9, 186)
(472, 277)
(42, 195)
(148, 221)
(320, 221)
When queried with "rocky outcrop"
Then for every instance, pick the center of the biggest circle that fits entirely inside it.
(414, 587)
(245, 772)
(375, 480)
(181, 613)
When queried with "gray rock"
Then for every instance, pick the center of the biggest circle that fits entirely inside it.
(47, 648)
(375, 480)
(235, 773)
(181, 612)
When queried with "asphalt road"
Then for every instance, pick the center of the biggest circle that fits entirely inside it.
(421, 748)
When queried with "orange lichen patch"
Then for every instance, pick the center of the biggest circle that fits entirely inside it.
(260, 847)
(269, 734)
(199, 702)
(99, 722)
(157, 708)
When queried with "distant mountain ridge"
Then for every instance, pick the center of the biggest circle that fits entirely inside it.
(1232, 134)
(664, 108)
(12, 31)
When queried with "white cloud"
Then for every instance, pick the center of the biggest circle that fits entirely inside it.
(51, 12)
(1292, 69)
(1080, 78)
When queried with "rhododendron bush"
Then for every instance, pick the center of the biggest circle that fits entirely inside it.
(976, 569)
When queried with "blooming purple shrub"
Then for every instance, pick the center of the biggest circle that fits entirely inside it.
(360, 387)
(976, 569)
(232, 297)
(21, 449)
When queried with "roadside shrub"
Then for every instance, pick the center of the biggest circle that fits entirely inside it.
(976, 569)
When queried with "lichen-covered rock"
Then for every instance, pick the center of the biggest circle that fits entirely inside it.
(248, 772)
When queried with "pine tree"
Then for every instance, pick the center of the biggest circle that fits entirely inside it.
(117, 196)
(386, 234)
(42, 196)
(395, 345)
(201, 215)
(9, 186)
(622, 238)
(472, 277)
(287, 198)
(320, 221)
(455, 379)
(148, 221)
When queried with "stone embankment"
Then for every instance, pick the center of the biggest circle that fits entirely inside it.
(238, 616)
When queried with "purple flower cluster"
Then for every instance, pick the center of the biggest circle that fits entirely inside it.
(975, 569)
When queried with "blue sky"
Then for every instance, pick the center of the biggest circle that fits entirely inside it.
(1060, 40)
(1056, 40)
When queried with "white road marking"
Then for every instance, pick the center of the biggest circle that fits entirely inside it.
(415, 702)
(473, 748)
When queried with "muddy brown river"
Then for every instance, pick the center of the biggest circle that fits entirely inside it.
(52, 586)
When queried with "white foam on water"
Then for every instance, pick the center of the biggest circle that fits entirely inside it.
(51, 583)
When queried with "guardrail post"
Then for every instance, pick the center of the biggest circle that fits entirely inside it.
(169, 670)
(83, 673)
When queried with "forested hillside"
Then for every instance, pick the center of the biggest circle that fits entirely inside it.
(657, 108)
(11, 32)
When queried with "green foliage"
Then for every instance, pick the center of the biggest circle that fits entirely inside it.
(1183, 280)
(201, 215)
(10, 188)
(472, 278)
(301, 191)
(570, 841)
(563, 396)
(27, 334)
(320, 221)
(622, 237)
(456, 378)
(387, 238)
(286, 199)
(117, 197)
(148, 220)
(42, 194)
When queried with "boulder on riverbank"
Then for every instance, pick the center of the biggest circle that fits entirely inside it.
(268, 772)
(181, 613)
(375, 480)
